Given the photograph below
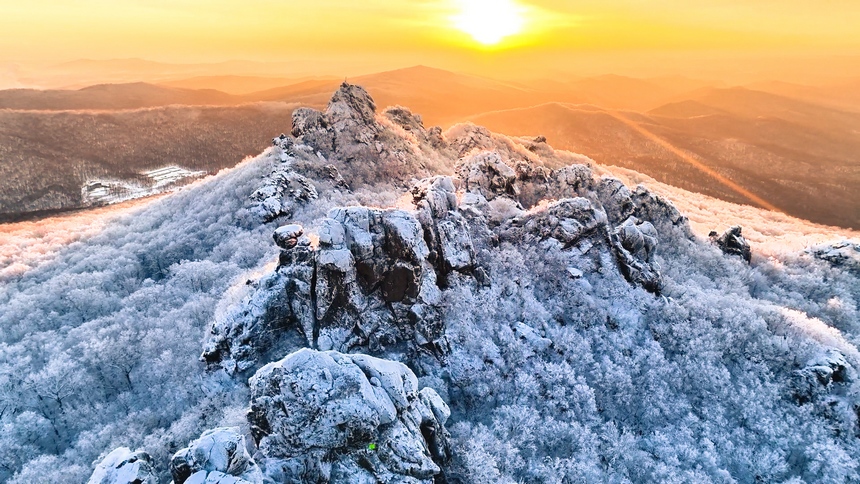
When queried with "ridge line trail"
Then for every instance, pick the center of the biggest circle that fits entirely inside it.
(691, 160)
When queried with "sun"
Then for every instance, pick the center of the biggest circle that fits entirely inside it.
(489, 21)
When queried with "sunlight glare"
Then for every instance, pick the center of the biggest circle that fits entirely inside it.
(489, 21)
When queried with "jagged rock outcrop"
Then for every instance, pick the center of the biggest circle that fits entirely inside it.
(282, 191)
(578, 223)
(218, 456)
(431, 138)
(616, 199)
(122, 466)
(446, 231)
(349, 136)
(375, 285)
(333, 417)
(568, 221)
(468, 138)
(660, 212)
(839, 254)
(829, 383)
(367, 284)
(635, 242)
(732, 242)
(372, 281)
(487, 175)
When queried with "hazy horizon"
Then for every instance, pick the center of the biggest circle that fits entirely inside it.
(812, 70)
(734, 42)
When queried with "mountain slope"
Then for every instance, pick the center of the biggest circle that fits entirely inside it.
(236, 85)
(560, 327)
(47, 172)
(837, 95)
(111, 96)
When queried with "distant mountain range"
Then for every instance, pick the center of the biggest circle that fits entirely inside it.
(779, 145)
(799, 157)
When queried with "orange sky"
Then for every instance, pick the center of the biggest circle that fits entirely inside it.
(345, 36)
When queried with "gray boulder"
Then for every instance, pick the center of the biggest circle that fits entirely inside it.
(486, 174)
(122, 466)
(637, 237)
(287, 236)
(333, 417)
(281, 193)
(218, 456)
(634, 242)
(616, 199)
(732, 242)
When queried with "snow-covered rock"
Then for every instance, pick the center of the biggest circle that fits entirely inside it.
(486, 174)
(568, 221)
(215, 477)
(219, 455)
(374, 280)
(281, 193)
(660, 212)
(122, 466)
(732, 242)
(333, 417)
(634, 242)
(368, 284)
(840, 254)
(616, 199)
(348, 136)
(446, 230)
(287, 236)
(371, 280)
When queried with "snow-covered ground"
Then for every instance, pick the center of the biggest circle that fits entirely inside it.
(105, 192)
(770, 233)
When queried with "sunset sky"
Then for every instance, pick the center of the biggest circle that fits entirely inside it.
(375, 34)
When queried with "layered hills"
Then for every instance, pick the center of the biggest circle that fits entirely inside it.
(770, 145)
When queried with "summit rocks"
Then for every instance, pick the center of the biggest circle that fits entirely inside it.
(374, 279)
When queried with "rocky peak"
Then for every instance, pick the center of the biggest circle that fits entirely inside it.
(351, 103)
(732, 242)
